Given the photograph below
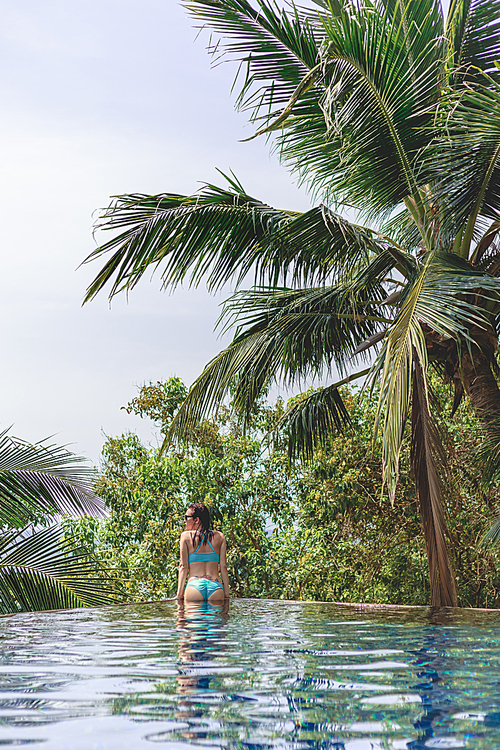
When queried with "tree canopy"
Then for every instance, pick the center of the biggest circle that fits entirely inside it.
(303, 530)
(388, 108)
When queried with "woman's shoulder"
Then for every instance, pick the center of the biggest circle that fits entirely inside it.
(218, 536)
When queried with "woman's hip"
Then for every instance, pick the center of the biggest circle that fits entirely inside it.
(204, 586)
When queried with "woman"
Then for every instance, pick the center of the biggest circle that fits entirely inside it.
(203, 551)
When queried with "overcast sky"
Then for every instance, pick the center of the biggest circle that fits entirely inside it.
(100, 98)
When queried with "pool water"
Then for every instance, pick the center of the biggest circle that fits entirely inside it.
(264, 674)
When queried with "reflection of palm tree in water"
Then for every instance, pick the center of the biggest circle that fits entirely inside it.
(200, 631)
(437, 666)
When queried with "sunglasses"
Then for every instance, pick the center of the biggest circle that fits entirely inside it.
(186, 517)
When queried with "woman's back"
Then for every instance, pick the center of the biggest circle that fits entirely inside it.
(203, 556)
(202, 553)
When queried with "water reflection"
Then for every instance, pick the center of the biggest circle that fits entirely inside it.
(201, 632)
(200, 640)
(253, 675)
(438, 666)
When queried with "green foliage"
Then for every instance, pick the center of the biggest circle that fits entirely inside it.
(323, 530)
(45, 569)
(42, 568)
(39, 481)
(246, 487)
(389, 109)
(352, 545)
(158, 401)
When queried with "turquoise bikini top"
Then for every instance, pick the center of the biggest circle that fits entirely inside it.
(203, 556)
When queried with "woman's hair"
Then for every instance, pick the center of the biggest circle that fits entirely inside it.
(201, 512)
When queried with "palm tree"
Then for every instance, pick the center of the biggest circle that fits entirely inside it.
(40, 567)
(386, 107)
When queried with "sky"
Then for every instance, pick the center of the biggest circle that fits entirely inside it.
(101, 98)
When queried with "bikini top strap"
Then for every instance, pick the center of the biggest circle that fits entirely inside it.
(198, 547)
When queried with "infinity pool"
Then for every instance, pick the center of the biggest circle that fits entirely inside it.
(265, 674)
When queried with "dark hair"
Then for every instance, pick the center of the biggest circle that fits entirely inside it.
(204, 531)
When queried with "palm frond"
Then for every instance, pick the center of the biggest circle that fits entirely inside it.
(401, 227)
(216, 233)
(285, 334)
(473, 32)
(472, 137)
(411, 14)
(426, 449)
(437, 299)
(320, 244)
(492, 537)
(310, 421)
(380, 82)
(42, 570)
(355, 125)
(488, 455)
(221, 235)
(274, 48)
(42, 478)
(289, 334)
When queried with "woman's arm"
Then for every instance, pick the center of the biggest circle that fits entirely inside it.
(223, 567)
(183, 568)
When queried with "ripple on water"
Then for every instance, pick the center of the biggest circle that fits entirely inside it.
(263, 675)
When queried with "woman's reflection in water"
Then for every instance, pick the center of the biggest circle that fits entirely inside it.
(201, 630)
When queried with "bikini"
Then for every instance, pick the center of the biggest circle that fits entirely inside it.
(205, 586)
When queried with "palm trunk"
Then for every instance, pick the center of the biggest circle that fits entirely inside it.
(426, 447)
(480, 384)
(472, 371)
(471, 368)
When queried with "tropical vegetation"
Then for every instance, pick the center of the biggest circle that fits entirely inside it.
(388, 111)
(303, 530)
(41, 566)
